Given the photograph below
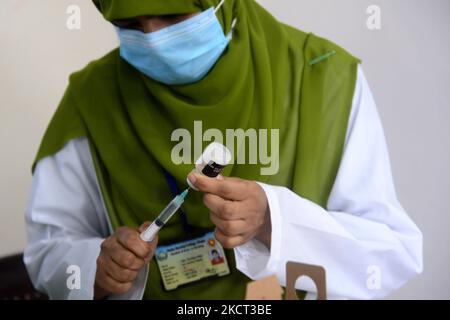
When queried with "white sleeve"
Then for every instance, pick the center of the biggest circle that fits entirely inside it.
(66, 223)
(364, 233)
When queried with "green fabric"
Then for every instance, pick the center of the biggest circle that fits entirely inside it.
(262, 81)
(113, 9)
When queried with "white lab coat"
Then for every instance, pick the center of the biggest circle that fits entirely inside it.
(363, 233)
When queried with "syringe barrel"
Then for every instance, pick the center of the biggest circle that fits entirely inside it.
(150, 233)
(168, 211)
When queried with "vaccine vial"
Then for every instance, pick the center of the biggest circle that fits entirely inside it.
(213, 160)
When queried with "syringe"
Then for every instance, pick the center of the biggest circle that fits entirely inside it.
(150, 233)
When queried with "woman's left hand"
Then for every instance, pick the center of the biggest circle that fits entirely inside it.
(239, 209)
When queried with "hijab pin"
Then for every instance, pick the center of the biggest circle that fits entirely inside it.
(322, 57)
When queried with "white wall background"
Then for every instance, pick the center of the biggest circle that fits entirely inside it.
(406, 62)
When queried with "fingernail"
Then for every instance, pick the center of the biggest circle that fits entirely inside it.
(192, 178)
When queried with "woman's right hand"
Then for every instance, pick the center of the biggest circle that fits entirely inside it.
(121, 258)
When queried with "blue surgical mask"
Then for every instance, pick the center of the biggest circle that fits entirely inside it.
(179, 54)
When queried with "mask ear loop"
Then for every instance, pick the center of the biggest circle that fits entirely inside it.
(230, 34)
(219, 6)
(233, 24)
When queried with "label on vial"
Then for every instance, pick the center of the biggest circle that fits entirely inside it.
(212, 169)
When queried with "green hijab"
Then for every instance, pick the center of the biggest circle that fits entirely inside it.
(270, 77)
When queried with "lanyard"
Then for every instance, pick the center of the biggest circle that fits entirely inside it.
(175, 191)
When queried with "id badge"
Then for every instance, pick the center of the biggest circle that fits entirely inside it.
(190, 261)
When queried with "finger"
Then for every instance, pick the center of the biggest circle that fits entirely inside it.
(113, 286)
(152, 244)
(106, 283)
(225, 209)
(229, 242)
(144, 226)
(118, 273)
(124, 257)
(131, 240)
(230, 228)
(227, 188)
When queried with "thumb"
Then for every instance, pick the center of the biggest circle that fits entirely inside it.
(144, 226)
(150, 245)
(203, 183)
